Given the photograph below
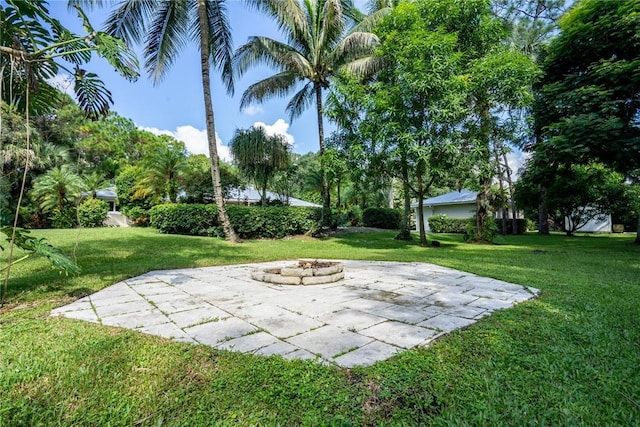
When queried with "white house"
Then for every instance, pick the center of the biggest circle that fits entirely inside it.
(251, 196)
(457, 204)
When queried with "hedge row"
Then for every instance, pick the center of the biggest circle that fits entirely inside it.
(249, 222)
(444, 224)
(382, 218)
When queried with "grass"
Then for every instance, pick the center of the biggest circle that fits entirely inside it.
(569, 357)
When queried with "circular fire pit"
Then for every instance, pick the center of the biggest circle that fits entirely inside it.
(305, 272)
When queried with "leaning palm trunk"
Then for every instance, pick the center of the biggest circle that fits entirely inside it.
(326, 197)
(223, 217)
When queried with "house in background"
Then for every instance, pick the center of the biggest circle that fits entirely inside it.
(457, 204)
(114, 217)
(251, 196)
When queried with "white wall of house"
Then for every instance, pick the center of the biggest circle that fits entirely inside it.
(462, 210)
(602, 224)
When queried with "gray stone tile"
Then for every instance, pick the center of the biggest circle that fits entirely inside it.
(435, 310)
(311, 309)
(466, 311)
(367, 355)
(137, 319)
(280, 347)
(403, 314)
(490, 304)
(214, 332)
(366, 305)
(81, 304)
(249, 343)
(261, 310)
(450, 299)
(122, 308)
(399, 334)
(329, 341)
(106, 300)
(167, 330)
(87, 315)
(286, 325)
(490, 293)
(352, 320)
(300, 354)
(446, 323)
(204, 314)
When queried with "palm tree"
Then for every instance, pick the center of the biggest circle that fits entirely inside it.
(57, 189)
(259, 156)
(164, 27)
(164, 169)
(319, 44)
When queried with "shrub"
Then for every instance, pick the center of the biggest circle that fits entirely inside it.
(137, 215)
(382, 218)
(249, 222)
(65, 218)
(176, 218)
(444, 224)
(92, 213)
(354, 215)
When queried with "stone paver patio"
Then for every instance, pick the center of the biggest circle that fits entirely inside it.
(379, 309)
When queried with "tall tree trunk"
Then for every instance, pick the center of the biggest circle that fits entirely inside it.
(483, 213)
(326, 202)
(405, 232)
(503, 216)
(543, 214)
(223, 217)
(637, 241)
(512, 202)
(423, 233)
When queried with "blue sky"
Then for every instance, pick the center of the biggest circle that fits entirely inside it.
(175, 105)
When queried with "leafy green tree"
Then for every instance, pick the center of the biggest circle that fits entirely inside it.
(259, 156)
(576, 193)
(590, 94)
(197, 180)
(164, 27)
(319, 43)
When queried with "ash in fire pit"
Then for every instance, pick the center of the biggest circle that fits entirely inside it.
(306, 272)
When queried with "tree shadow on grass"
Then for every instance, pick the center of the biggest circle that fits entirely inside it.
(106, 261)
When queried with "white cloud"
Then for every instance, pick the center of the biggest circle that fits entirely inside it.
(63, 82)
(194, 139)
(280, 127)
(252, 110)
(516, 160)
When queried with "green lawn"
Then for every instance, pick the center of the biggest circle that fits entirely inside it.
(570, 357)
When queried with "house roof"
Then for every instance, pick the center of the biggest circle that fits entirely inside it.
(251, 195)
(108, 193)
(454, 198)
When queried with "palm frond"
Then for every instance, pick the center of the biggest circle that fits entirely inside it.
(276, 85)
(93, 97)
(128, 20)
(166, 37)
(300, 101)
(368, 22)
(332, 25)
(266, 51)
(289, 15)
(355, 45)
(366, 67)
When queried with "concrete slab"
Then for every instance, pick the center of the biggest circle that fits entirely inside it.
(213, 333)
(368, 354)
(378, 309)
(329, 341)
(399, 334)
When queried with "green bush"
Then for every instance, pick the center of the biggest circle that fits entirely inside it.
(249, 222)
(382, 218)
(65, 218)
(92, 213)
(138, 215)
(444, 224)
